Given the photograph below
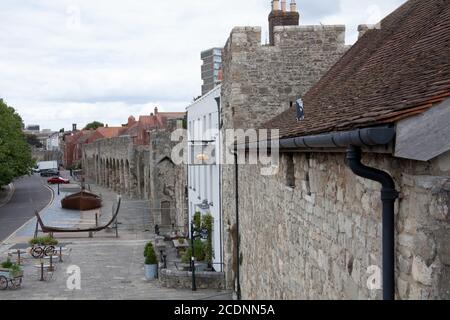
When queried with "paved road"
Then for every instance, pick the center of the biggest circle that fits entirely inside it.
(20, 209)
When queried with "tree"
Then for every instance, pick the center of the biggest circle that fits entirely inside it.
(32, 140)
(94, 125)
(15, 153)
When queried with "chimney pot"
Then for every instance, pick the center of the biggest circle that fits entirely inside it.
(293, 6)
(283, 5)
(156, 110)
(275, 5)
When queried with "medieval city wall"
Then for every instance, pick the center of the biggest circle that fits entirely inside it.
(261, 81)
(317, 234)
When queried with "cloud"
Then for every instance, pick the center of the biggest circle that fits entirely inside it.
(74, 61)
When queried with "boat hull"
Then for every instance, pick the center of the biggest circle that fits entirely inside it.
(82, 201)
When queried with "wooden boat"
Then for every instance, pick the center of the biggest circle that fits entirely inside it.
(51, 230)
(82, 201)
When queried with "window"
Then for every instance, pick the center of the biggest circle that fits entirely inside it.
(204, 128)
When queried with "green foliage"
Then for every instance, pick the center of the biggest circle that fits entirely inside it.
(15, 153)
(94, 125)
(32, 140)
(13, 267)
(197, 219)
(7, 264)
(43, 241)
(199, 251)
(147, 248)
(207, 223)
(181, 240)
(149, 254)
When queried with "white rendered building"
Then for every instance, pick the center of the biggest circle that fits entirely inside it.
(203, 118)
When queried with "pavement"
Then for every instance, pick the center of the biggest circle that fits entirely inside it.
(110, 268)
(30, 194)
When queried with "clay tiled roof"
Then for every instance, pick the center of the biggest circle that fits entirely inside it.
(84, 137)
(109, 132)
(131, 130)
(391, 73)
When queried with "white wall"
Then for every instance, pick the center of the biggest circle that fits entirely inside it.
(204, 181)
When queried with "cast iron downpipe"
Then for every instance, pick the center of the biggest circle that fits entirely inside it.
(238, 245)
(388, 197)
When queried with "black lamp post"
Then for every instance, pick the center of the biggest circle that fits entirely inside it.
(202, 233)
(193, 236)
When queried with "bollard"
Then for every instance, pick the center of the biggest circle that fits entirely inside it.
(51, 264)
(42, 271)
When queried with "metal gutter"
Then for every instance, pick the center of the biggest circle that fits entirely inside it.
(375, 136)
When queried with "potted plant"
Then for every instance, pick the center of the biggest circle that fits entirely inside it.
(199, 252)
(43, 241)
(10, 273)
(42, 246)
(151, 263)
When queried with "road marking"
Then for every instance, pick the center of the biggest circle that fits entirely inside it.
(26, 223)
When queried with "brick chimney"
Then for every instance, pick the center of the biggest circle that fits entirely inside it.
(282, 17)
(74, 127)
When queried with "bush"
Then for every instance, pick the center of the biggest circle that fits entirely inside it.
(150, 255)
(199, 250)
(7, 264)
(207, 223)
(148, 247)
(43, 241)
(197, 220)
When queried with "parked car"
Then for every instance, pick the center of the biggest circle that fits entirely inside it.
(49, 173)
(58, 180)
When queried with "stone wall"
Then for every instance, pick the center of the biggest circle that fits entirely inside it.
(260, 82)
(183, 279)
(318, 239)
(141, 172)
(168, 180)
(113, 163)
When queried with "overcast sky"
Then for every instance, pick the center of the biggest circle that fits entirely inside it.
(64, 62)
